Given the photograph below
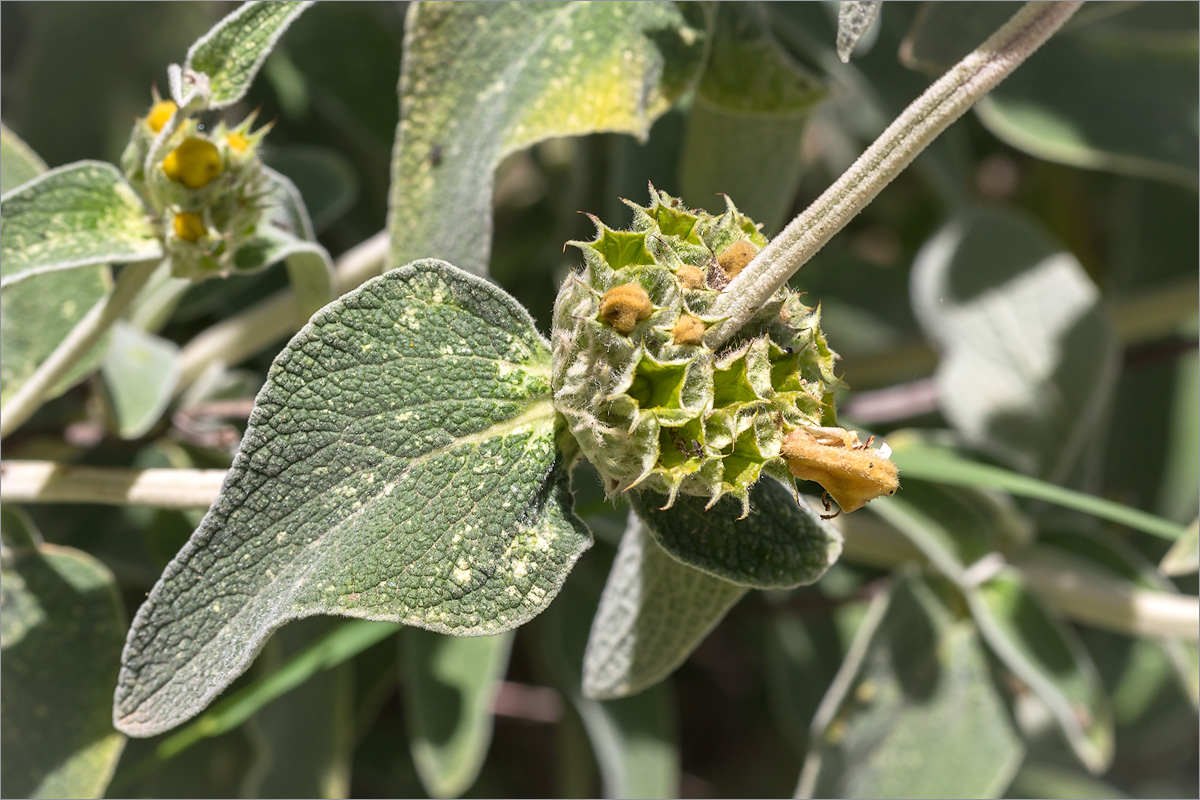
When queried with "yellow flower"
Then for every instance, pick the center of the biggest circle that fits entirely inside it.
(160, 112)
(189, 226)
(237, 142)
(194, 163)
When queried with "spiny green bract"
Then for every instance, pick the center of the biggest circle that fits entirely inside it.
(649, 403)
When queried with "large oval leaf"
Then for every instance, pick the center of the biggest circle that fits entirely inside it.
(779, 545)
(482, 80)
(400, 465)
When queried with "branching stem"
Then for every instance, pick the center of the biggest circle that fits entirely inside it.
(926, 117)
(78, 342)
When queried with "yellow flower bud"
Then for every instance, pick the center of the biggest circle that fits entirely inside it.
(160, 112)
(194, 163)
(189, 226)
(237, 142)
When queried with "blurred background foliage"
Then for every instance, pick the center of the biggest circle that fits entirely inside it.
(1092, 145)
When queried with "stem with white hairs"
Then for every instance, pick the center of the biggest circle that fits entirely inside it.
(926, 117)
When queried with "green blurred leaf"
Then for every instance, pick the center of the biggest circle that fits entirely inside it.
(914, 711)
(781, 544)
(1045, 654)
(802, 653)
(18, 163)
(36, 314)
(940, 465)
(746, 122)
(304, 740)
(231, 53)
(450, 687)
(60, 637)
(1052, 780)
(635, 739)
(74, 216)
(1109, 98)
(1029, 355)
(1184, 556)
(943, 33)
(324, 178)
(309, 267)
(482, 80)
(854, 17)
(400, 465)
(140, 373)
(653, 613)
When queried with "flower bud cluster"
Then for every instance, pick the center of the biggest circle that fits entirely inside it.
(205, 184)
(652, 406)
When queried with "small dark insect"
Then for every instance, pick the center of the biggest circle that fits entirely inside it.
(435, 155)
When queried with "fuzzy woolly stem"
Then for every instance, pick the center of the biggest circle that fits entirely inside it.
(242, 335)
(78, 342)
(926, 117)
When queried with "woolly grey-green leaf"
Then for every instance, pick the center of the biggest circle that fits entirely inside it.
(854, 18)
(400, 465)
(653, 613)
(231, 53)
(18, 162)
(482, 80)
(914, 710)
(450, 688)
(780, 544)
(60, 635)
(140, 373)
(81, 214)
(1048, 657)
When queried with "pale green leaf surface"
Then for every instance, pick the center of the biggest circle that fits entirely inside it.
(746, 122)
(943, 33)
(18, 162)
(1105, 98)
(400, 465)
(303, 741)
(232, 52)
(635, 740)
(61, 624)
(309, 267)
(653, 613)
(914, 711)
(1047, 656)
(81, 214)
(779, 545)
(450, 687)
(140, 373)
(854, 18)
(1029, 354)
(1052, 780)
(482, 80)
(1184, 556)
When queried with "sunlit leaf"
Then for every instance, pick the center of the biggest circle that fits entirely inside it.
(400, 465)
(482, 80)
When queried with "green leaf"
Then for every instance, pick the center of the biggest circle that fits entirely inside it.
(400, 465)
(653, 613)
(304, 740)
(745, 125)
(943, 33)
(1184, 556)
(140, 373)
(779, 545)
(854, 18)
(232, 52)
(81, 214)
(914, 711)
(482, 80)
(635, 739)
(1029, 355)
(309, 267)
(1052, 780)
(1110, 97)
(325, 179)
(18, 163)
(924, 462)
(1047, 656)
(60, 640)
(450, 689)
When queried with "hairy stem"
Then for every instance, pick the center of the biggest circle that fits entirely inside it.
(926, 117)
(78, 342)
(243, 335)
